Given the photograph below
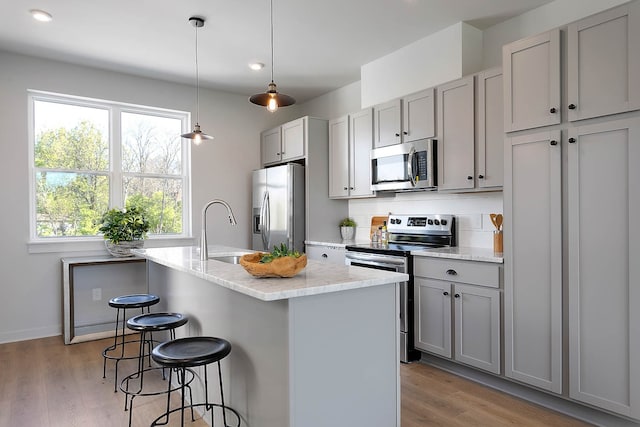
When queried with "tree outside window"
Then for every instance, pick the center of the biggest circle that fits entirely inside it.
(80, 170)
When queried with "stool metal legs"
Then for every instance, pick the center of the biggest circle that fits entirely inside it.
(207, 406)
(117, 344)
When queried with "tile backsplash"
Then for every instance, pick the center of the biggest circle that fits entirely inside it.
(471, 210)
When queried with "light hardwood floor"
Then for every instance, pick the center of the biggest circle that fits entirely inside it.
(44, 383)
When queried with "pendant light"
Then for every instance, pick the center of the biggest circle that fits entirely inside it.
(197, 135)
(271, 98)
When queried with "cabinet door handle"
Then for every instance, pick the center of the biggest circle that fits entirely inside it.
(445, 293)
(553, 110)
(345, 188)
(480, 176)
(572, 106)
(351, 188)
(397, 134)
(456, 296)
(451, 272)
(572, 140)
(469, 177)
(325, 256)
(553, 142)
(277, 154)
(405, 133)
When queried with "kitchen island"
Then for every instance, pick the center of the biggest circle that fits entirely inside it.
(317, 349)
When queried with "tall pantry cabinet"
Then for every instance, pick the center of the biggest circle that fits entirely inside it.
(572, 203)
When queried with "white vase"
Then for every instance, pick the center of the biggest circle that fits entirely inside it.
(347, 233)
(123, 248)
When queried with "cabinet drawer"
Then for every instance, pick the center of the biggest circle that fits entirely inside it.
(472, 272)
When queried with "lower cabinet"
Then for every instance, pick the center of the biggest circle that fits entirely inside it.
(458, 320)
(327, 253)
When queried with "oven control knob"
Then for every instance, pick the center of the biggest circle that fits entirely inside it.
(436, 221)
(443, 221)
(430, 221)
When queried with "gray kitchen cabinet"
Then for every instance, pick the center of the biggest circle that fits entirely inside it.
(533, 260)
(339, 164)
(432, 316)
(350, 144)
(360, 145)
(531, 70)
(284, 143)
(604, 272)
(387, 122)
(490, 130)
(471, 291)
(404, 120)
(456, 132)
(293, 139)
(418, 116)
(270, 147)
(604, 63)
(326, 253)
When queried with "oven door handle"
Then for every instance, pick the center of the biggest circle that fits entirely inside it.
(376, 260)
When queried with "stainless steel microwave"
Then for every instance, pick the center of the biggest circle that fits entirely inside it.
(409, 166)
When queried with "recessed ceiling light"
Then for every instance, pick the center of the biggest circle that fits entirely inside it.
(256, 66)
(41, 15)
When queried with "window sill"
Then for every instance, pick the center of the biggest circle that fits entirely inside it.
(97, 245)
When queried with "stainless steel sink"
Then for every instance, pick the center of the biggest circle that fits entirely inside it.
(229, 259)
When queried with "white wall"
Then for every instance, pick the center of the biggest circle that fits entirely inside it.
(31, 304)
(544, 18)
(441, 57)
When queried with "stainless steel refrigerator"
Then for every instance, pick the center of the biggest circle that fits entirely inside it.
(278, 207)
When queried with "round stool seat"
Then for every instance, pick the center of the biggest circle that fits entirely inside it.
(191, 351)
(152, 322)
(134, 301)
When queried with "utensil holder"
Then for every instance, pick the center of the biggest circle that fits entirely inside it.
(497, 242)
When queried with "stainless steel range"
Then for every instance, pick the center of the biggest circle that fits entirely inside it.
(406, 233)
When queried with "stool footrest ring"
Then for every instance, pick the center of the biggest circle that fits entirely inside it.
(207, 406)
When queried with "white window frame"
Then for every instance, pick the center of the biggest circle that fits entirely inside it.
(38, 244)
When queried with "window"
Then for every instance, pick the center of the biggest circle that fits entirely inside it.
(88, 156)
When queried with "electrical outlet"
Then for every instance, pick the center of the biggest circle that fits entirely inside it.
(97, 294)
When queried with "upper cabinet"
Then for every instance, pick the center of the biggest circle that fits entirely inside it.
(489, 130)
(404, 120)
(350, 143)
(283, 143)
(604, 63)
(418, 116)
(387, 119)
(456, 135)
(270, 146)
(531, 70)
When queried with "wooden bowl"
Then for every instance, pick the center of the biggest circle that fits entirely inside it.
(280, 267)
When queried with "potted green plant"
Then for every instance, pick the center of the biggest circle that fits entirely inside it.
(348, 228)
(124, 229)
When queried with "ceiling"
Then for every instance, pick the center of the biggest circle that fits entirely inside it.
(319, 44)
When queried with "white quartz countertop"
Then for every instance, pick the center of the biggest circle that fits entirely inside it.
(463, 253)
(317, 278)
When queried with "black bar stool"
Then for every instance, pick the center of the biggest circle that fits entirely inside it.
(184, 353)
(147, 324)
(122, 303)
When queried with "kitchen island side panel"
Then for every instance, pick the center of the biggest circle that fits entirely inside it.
(255, 374)
(344, 358)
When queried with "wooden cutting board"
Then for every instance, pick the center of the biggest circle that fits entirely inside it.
(377, 221)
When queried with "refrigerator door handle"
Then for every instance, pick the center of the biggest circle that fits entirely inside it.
(262, 221)
(267, 224)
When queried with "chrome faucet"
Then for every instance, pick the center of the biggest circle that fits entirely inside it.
(204, 252)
